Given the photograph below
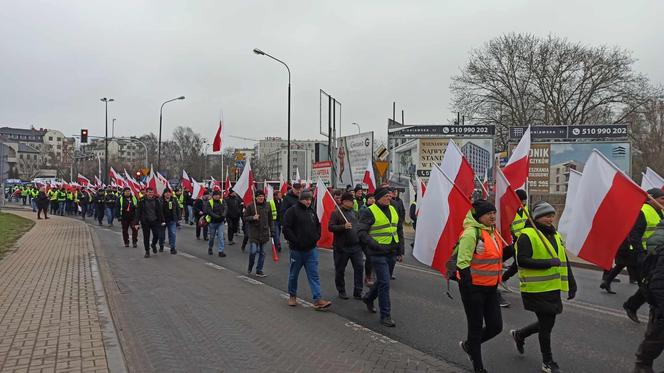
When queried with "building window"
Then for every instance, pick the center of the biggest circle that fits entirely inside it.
(34, 157)
(59, 139)
(50, 138)
(20, 156)
(59, 147)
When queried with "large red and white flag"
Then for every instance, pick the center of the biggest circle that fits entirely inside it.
(186, 182)
(564, 224)
(116, 178)
(198, 189)
(370, 178)
(132, 184)
(268, 190)
(421, 190)
(325, 205)
(83, 180)
(507, 204)
(216, 143)
(651, 180)
(98, 182)
(457, 168)
(604, 193)
(440, 221)
(227, 185)
(298, 179)
(516, 170)
(245, 184)
(157, 182)
(283, 185)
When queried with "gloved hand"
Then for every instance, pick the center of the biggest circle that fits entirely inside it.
(555, 262)
(465, 279)
(571, 294)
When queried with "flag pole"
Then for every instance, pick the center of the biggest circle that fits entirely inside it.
(482, 185)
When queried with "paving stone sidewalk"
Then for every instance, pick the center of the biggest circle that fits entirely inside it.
(50, 314)
(180, 313)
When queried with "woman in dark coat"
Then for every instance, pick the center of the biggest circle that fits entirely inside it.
(42, 203)
(544, 272)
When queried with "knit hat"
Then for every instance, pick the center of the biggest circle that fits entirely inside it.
(656, 192)
(358, 187)
(259, 193)
(542, 208)
(482, 207)
(381, 192)
(305, 194)
(522, 194)
(167, 190)
(126, 189)
(215, 193)
(348, 196)
(297, 185)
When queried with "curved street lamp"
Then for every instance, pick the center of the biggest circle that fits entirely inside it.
(358, 127)
(160, 120)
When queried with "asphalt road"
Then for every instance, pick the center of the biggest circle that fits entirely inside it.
(592, 335)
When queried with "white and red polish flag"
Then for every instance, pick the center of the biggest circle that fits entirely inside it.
(370, 178)
(604, 193)
(214, 183)
(507, 204)
(198, 189)
(440, 221)
(245, 184)
(325, 205)
(516, 170)
(297, 176)
(227, 185)
(421, 190)
(457, 168)
(116, 178)
(84, 181)
(283, 185)
(268, 190)
(186, 182)
(98, 182)
(572, 188)
(216, 143)
(651, 180)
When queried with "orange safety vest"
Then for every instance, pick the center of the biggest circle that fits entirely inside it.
(486, 267)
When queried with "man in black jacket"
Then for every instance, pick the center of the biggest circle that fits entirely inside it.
(302, 231)
(100, 197)
(171, 210)
(126, 214)
(216, 212)
(653, 342)
(199, 213)
(259, 216)
(346, 246)
(290, 199)
(234, 207)
(397, 202)
(109, 206)
(151, 217)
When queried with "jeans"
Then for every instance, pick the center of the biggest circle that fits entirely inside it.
(91, 210)
(150, 227)
(276, 235)
(257, 248)
(108, 211)
(653, 341)
(171, 228)
(61, 208)
(84, 211)
(34, 205)
(189, 214)
(483, 317)
(381, 288)
(543, 327)
(308, 259)
(341, 259)
(216, 230)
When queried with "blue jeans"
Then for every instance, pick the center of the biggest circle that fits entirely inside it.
(255, 248)
(308, 259)
(108, 211)
(381, 288)
(277, 235)
(171, 228)
(216, 230)
(34, 205)
(190, 214)
(61, 207)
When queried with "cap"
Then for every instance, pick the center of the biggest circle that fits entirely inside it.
(542, 208)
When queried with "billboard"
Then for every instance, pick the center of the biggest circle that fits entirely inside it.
(478, 152)
(352, 157)
(323, 171)
(550, 163)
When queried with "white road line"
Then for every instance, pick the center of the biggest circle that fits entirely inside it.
(373, 335)
(188, 256)
(249, 280)
(215, 266)
(301, 302)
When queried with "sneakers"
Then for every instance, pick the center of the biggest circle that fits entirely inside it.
(147, 254)
(606, 286)
(173, 251)
(520, 342)
(222, 254)
(260, 274)
(322, 305)
(465, 349)
(292, 301)
(388, 322)
(550, 367)
(370, 305)
(502, 301)
(631, 313)
(161, 249)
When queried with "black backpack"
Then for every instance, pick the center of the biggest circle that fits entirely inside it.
(646, 264)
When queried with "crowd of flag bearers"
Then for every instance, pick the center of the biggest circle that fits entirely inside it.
(462, 234)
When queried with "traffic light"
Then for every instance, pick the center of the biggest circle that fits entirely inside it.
(84, 136)
(138, 174)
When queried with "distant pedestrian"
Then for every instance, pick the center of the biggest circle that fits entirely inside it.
(151, 217)
(234, 207)
(109, 205)
(275, 205)
(126, 214)
(544, 272)
(380, 231)
(189, 217)
(215, 211)
(171, 212)
(479, 268)
(41, 202)
(346, 246)
(100, 198)
(199, 216)
(259, 216)
(368, 279)
(397, 202)
(302, 231)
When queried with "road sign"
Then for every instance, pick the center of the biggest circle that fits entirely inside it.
(381, 167)
(381, 153)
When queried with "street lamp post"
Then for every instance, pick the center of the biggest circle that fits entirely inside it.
(358, 127)
(113, 128)
(261, 53)
(106, 101)
(160, 119)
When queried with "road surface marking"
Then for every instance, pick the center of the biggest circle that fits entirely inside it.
(373, 335)
(249, 280)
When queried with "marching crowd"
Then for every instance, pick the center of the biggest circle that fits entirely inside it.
(368, 232)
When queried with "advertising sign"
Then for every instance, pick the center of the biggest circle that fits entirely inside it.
(419, 131)
(478, 152)
(573, 132)
(323, 171)
(352, 158)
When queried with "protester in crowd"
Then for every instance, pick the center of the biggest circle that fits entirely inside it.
(150, 215)
(100, 199)
(109, 205)
(216, 211)
(41, 202)
(126, 213)
(397, 202)
(259, 216)
(234, 208)
(171, 212)
(344, 224)
(189, 217)
(368, 279)
(199, 216)
(276, 208)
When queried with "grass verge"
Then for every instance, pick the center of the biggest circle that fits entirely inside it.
(12, 227)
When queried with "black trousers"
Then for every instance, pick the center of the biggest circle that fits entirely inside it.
(367, 263)
(126, 225)
(200, 228)
(245, 232)
(152, 227)
(543, 327)
(653, 341)
(233, 227)
(341, 259)
(637, 300)
(484, 319)
(40, 210)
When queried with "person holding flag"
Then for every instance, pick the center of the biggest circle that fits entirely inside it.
(126, 214)
(215, 211)
(544, 272)
(275, 205)
(260, 219)
(346, 246)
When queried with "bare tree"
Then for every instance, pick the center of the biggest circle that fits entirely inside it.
(647, 132)
(519, 80)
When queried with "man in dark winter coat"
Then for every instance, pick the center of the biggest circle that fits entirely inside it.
(234, 207)
(198, 214)
(109, 205)
(397, 202)
(126, 214)
(346, 246)
(151, 217)
(216, 212)
(290, 199)
(42, 203)
(259, 216)
(171, 210)
(653, 342)
(100, 198)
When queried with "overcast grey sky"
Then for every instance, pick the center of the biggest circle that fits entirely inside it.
(59, 57)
